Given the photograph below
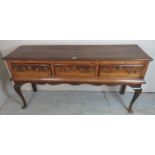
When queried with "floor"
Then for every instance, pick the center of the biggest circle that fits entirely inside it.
(78, 103)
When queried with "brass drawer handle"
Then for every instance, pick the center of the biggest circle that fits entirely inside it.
(29, 67)
(24, 68)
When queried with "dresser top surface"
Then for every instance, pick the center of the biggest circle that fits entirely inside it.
(79, 52)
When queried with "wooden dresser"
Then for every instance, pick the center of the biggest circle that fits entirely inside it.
(124, 65)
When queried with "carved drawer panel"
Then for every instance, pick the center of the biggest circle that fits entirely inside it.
(31, 71)
(87, 70)
(130, 71)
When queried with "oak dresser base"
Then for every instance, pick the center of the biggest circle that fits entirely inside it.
(124, 65)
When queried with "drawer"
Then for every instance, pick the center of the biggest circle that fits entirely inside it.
(130, 71)
(86, 70)
(35, 71)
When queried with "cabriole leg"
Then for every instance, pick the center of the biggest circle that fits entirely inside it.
(34, 87)
(123, 88)
(138, 91)
(17, 87)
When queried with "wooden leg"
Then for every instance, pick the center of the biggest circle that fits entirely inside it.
(17, 88)
(138, 91)
(123, 88)
(34, 87)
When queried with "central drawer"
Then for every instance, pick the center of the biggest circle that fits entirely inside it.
(84, 70)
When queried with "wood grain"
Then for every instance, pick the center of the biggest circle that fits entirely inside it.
(79, 52)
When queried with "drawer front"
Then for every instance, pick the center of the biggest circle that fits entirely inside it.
(86, 70)
(35, 71)
(130, 71)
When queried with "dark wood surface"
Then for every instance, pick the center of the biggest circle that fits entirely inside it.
(78, 52)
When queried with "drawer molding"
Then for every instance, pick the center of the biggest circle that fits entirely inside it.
(121, 70)
(23, 68)
(75, 69)
(28, 71)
